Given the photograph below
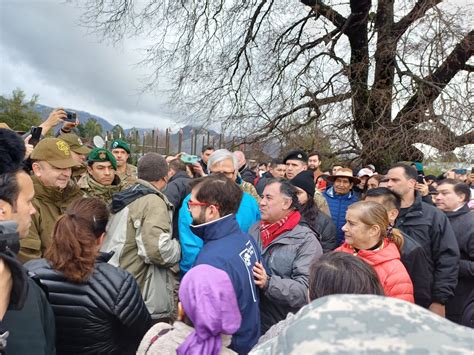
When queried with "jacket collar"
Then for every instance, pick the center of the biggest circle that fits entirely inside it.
(463, 210)
(179, 175)
(331, 193)
(216, 229)
(54, 194)
(417, 207)
(141, 188)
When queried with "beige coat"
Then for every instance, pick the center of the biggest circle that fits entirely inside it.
(140, 234)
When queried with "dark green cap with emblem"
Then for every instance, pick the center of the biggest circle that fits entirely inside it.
(102, 155)
(118, 143)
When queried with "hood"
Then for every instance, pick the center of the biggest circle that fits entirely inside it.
(123, 199)
(216, 229)
(375, 257)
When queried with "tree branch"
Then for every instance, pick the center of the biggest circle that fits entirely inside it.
(327, 11)
(417, 12)
(432, 85)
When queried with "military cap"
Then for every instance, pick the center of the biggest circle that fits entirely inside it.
(118, 143)
(102, 155)
(55, 151)
(296, 155)
(75, 143)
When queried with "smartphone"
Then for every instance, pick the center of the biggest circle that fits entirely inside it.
(460, 171)
(71, 116)
(35, 135)
(189, 159)
(420, 179)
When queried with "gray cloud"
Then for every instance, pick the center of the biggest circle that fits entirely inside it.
(44, 51)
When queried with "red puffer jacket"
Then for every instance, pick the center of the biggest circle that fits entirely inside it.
(386, 262)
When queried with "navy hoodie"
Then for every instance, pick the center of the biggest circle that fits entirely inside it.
(227, 248)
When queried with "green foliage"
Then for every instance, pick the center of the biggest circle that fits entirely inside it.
(18, 114)
(118, 132)
(91, 129)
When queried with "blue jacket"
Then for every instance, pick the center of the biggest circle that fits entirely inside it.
(338, 205)
(247, 215)
(227, 248)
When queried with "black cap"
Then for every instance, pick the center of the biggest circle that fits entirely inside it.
(296, 155)
(305, 180)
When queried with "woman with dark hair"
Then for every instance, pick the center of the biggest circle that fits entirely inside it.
(334, 273)
(368, 235)
(341, 273)
(316, 220)
(98, 307)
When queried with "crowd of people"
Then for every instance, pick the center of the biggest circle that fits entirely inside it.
(216, 256)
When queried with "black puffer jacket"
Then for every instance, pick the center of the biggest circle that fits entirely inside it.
(105, 315)
(432, 230)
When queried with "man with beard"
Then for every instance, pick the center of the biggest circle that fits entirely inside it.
(213, 205)
(314, 164)
(224, 162)
(431, 229)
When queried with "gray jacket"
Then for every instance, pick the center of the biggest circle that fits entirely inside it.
(287, 260)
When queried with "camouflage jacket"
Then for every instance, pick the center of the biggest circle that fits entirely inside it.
(321, 203)
(250, 189)
(367, 324)
(92, 188)
(129, 177)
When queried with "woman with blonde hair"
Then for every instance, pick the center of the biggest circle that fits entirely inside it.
(368, 235)
(98, 308)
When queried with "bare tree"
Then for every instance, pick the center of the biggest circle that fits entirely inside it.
(375, 77)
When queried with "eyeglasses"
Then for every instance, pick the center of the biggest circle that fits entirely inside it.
(195, 203)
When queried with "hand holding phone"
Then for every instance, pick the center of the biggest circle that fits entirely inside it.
(35, 135)
(70, 116)
(189, 159)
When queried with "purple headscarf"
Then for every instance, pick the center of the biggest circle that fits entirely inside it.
(208, 299)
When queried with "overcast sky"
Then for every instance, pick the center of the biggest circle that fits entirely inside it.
(44, 51)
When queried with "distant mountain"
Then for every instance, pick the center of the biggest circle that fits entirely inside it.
(82, 115)
(204, 136)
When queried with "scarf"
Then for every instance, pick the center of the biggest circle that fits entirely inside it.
(269, 231)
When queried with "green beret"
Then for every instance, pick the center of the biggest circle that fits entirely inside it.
(102, 155)
(118, 143)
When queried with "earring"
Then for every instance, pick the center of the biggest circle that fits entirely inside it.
(2, 211)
